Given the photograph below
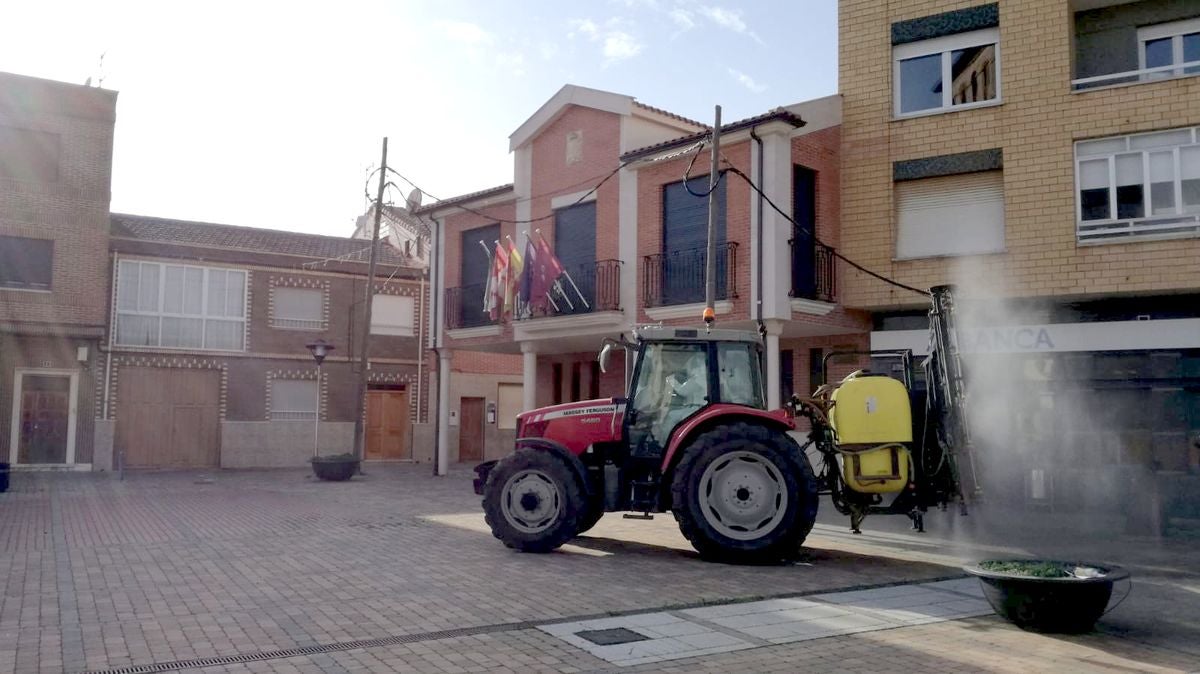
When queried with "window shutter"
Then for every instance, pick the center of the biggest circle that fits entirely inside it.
(293, 399)
(392, 315)
(950, 215)
(297, 308)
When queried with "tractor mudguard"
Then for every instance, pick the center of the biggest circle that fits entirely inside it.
(722, 413)
(481, 475)
(565, 454)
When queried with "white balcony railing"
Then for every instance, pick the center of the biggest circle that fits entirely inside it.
(1140, 229)
(1145, 75)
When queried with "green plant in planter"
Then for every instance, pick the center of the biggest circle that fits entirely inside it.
(1033, 569)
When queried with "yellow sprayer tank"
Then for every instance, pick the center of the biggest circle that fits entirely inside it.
(871, 417)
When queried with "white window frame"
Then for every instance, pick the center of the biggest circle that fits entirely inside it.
(1174, 30)
(293, 323)
(278, 414)
(1182, 223)
(392, 329)
(160, 313)
(944, 46)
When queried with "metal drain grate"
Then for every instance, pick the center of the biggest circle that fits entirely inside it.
(316, 650)
(612, 637)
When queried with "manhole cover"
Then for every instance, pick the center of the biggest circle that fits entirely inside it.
(611, 637)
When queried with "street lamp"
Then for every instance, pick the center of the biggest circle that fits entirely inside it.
(319, 349)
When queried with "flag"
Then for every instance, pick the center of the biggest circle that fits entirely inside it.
(487, 288)
(544, 275)
(497, 283)
(527, 276)
(512, 278)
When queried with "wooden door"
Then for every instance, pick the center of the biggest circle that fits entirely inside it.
(387, 425)
(168, 417)
(470, 430)
(45, 410)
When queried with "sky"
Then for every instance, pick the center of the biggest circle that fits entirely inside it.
(271, 114)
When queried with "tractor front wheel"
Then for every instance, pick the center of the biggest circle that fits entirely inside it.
(743, 493)
(533, 502)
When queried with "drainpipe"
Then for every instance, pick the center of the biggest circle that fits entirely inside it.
(112, 324)
(421, 338)
(758, 272)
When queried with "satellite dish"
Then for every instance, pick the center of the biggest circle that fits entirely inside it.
(414, 200)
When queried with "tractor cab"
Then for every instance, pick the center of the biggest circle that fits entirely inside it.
(678, 372)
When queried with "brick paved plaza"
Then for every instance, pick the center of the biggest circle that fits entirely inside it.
(167, 569)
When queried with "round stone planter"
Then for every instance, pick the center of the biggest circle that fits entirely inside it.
(334, 468)
(1070, 603)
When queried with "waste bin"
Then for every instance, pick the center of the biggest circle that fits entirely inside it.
(3, 477)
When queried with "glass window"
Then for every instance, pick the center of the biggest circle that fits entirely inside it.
(1170, 44)
(164, 305)
(967, 66)
(1189, 167)
(26, 263)
(1191, 52)
(739, 374)
(1139, 185)
(946, 72)
(297, 308)
(1093, 189)
(1159, 53)
(1129, 186)
(1162, 183)
(921, 83)
(672, 384)
(293, 399)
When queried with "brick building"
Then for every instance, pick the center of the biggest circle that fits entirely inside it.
(165, 343)
(55, 178)
(599, 177)
(208, 345)
(1046, 157)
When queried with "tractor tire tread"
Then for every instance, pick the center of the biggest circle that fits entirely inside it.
(786, 540)
(573, 508)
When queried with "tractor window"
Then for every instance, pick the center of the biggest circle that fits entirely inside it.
(741, 383)
(672, 385)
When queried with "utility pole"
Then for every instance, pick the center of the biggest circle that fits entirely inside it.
(710, 272)
(366, 320)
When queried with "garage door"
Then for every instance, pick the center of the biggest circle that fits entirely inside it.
(168, 418)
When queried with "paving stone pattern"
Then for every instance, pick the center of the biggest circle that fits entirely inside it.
(165, 567)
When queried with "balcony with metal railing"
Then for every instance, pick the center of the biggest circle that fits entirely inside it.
(814, 270)
(586, 288)
(678, 277)
(1127, 43)
(464, 307)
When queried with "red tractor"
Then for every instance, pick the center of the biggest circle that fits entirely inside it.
(693, 438)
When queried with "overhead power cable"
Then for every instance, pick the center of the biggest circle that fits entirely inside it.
(508, 221)
(738, 172)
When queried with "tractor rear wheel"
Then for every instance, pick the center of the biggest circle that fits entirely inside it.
(533, 501)
(744, 493)
(589, 519)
